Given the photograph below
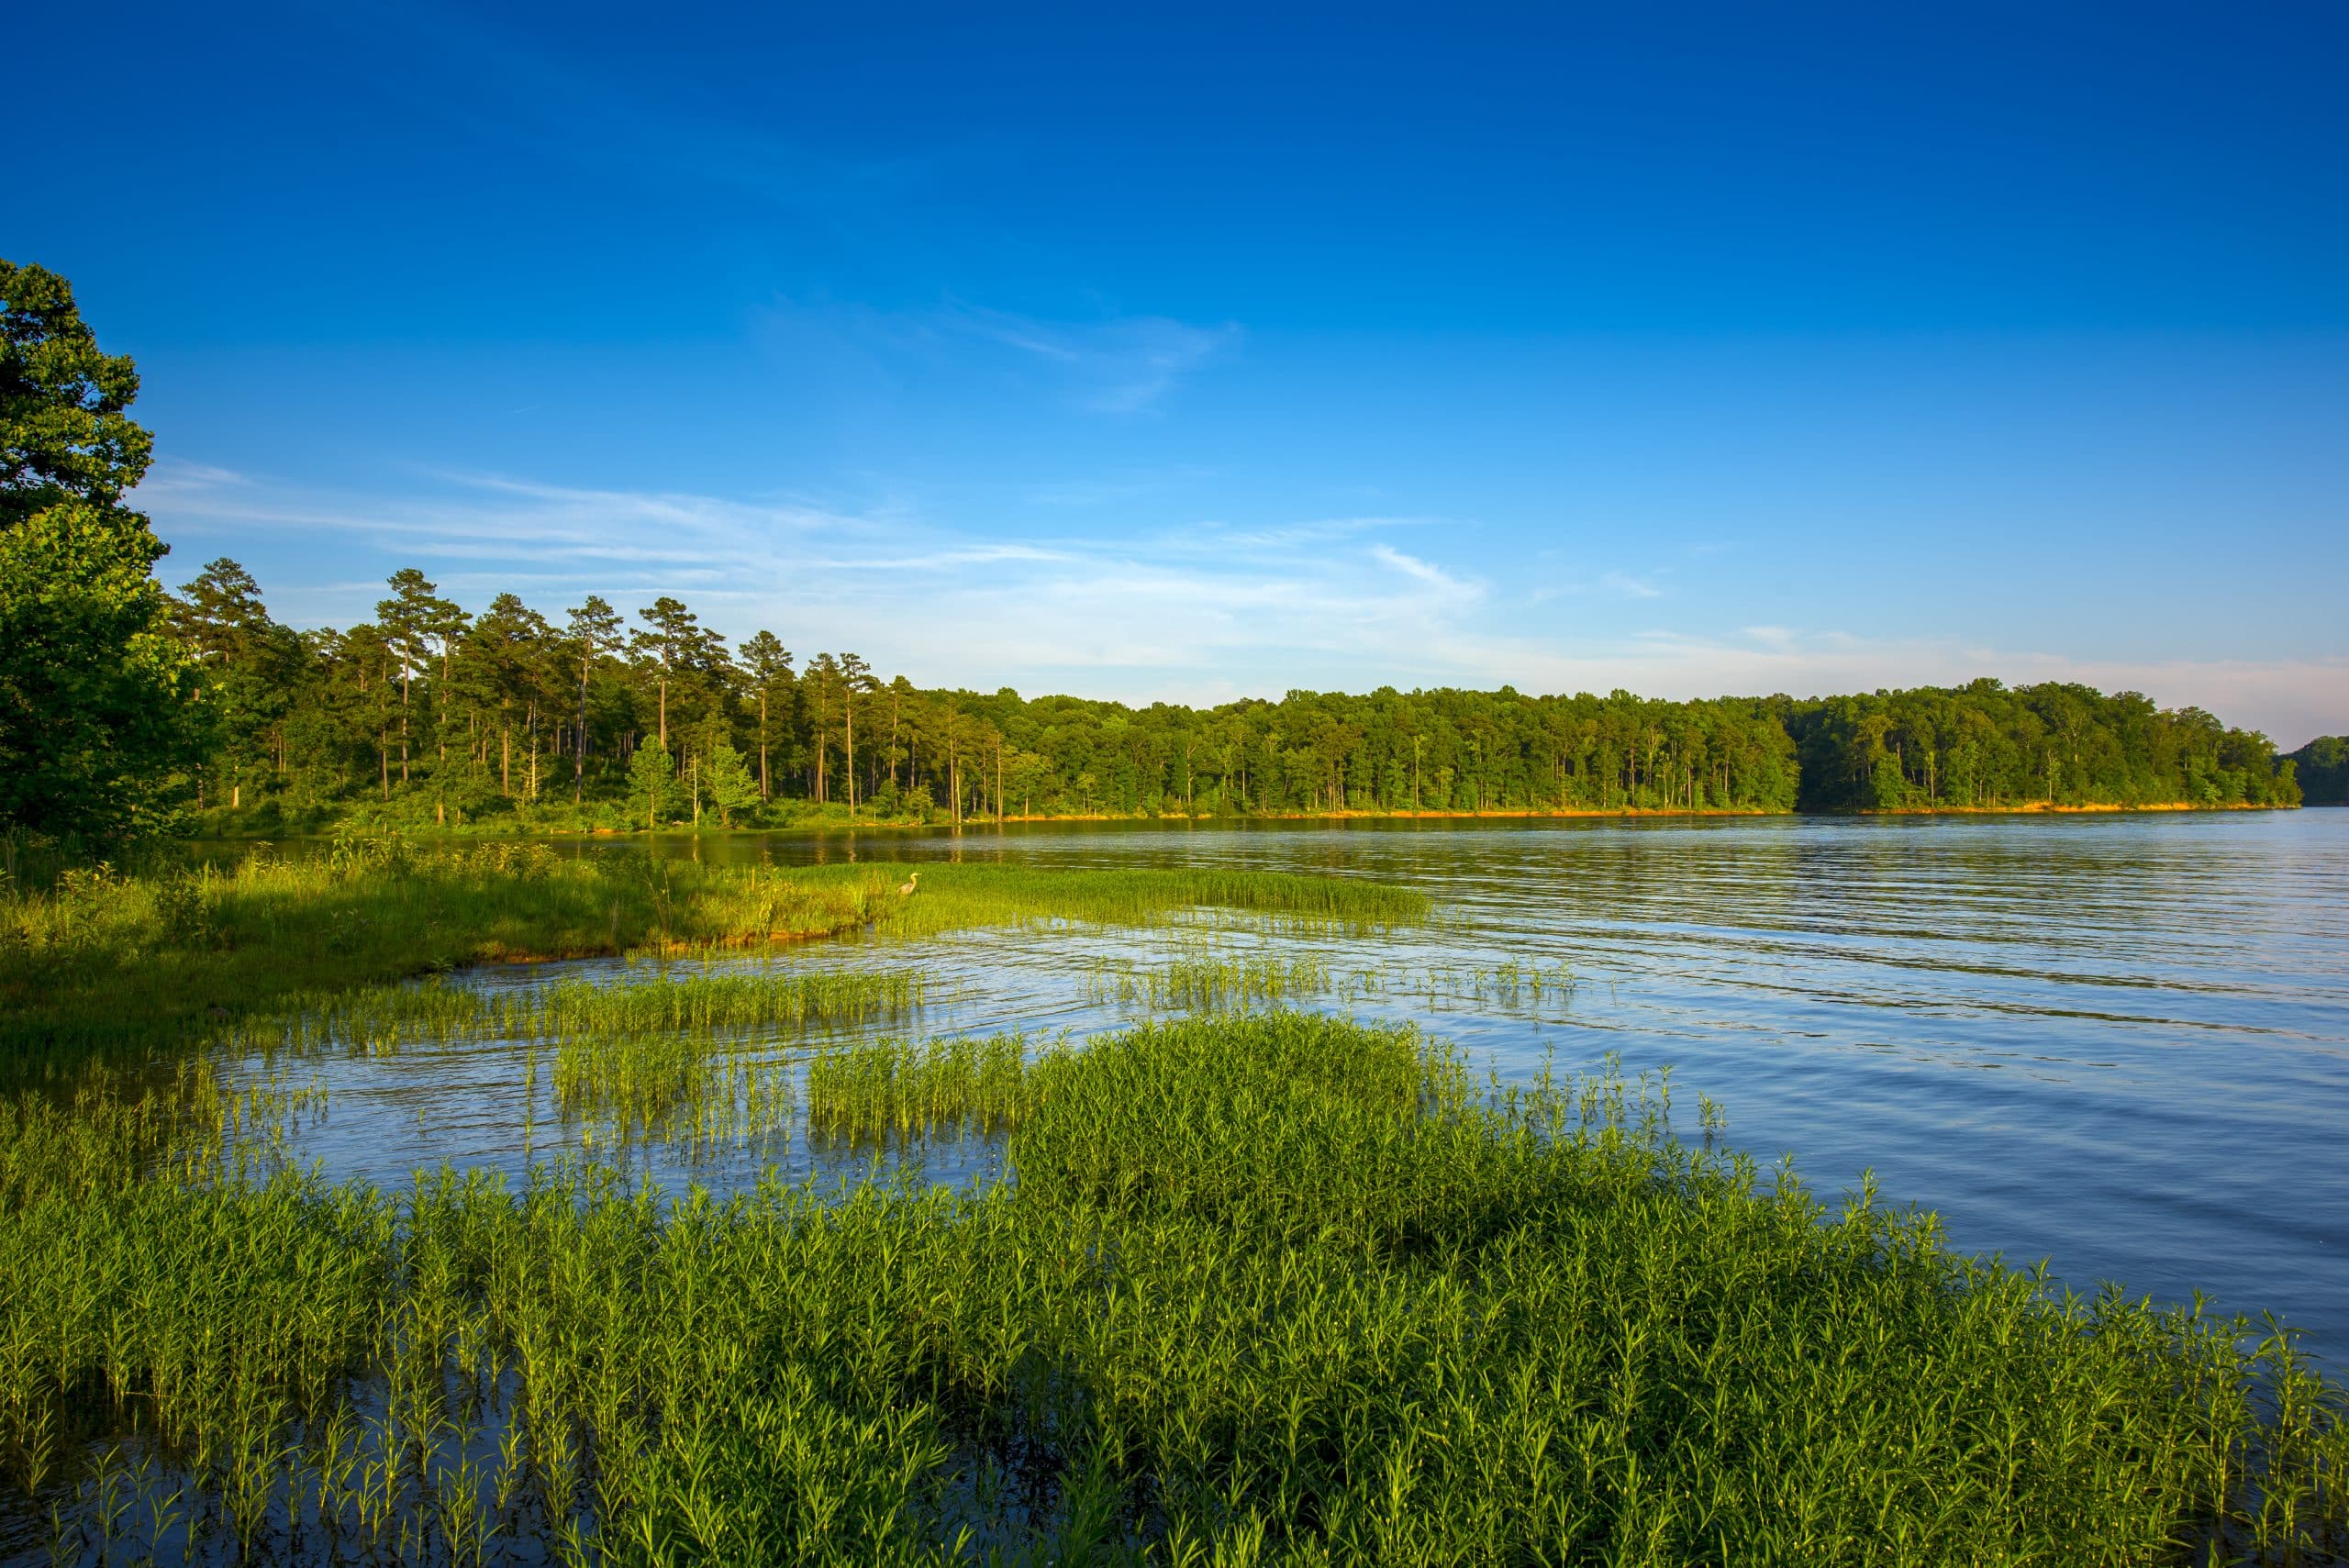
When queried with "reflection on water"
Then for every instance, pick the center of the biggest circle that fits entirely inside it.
(2118, 1043)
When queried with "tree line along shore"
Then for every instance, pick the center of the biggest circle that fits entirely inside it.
(427, 715)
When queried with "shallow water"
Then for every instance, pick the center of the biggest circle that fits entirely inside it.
(2119, 1044)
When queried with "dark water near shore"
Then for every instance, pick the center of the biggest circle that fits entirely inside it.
(2121, 1044)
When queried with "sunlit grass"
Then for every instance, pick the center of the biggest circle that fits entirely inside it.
(122, 967)
(895, 1088)
(1207, 982)
(683, 1007)
(1257, 1286)
(1209, 979)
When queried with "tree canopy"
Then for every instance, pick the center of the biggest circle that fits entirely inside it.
(2323, 768)
(100, 732)
(486, 714)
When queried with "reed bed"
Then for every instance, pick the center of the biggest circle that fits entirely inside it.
(1232, 982)
(121, 967)
(893, 1088)
(677, 1090)
(685, 1008)
(1262, 1287)
(1210, 980)
(955, 897)
(1512, 985)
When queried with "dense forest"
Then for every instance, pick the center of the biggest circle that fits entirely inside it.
(2323, 768)
(122, 706)
(429, 715)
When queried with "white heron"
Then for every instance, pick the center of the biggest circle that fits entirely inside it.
(905, 888)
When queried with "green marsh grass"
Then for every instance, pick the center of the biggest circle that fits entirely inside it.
(893, 1088)
(122, 967)
(682, 1006)
(684, 1092)
(957, 897)
(1206, 982)
(1259, 1287)
(1209, 979)
(687, 1060)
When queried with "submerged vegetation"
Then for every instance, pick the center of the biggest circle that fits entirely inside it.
(1207, 982)
(1256, 1287)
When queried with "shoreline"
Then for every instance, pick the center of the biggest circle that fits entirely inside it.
(1526, 814)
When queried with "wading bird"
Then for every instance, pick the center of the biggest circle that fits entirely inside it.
(905, 888)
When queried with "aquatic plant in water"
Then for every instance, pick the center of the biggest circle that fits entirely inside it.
(117, 967)
(1257, 1286)
(889, 1088)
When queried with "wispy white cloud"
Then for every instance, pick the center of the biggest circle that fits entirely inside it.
(1219, 539)
(1117, 365)
(1434, 576)
(1106, 365)
(1626, 585)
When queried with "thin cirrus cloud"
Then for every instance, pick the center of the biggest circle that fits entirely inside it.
(1119, 366)
(1625, 584)
(1206, 614)
(1111, 364)
(1435, 577)
(922, 593)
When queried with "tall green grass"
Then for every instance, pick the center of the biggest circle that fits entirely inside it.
(682, 1009)
(895, 1088)
(1209, 979)
(125, 966)
(688, 1093)
(1259, 1287)
(956, 896)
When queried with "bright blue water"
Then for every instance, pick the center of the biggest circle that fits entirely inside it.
(2119, 1044)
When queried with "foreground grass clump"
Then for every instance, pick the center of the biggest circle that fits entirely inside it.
(122, 966)
(1262, 1287)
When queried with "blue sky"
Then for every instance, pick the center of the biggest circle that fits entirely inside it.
(1200, 352)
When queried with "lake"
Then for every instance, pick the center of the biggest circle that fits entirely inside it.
(2117, 1043)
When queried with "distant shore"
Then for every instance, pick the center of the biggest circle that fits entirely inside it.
(508, 828)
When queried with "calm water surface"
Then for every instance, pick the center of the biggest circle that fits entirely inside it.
(2119, 1044)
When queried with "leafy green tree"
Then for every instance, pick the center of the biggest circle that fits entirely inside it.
(822, 681)
(731, 788)
(100, 730)
(2321, 768)
(856, 682)
(505, 665)
(652, 784)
